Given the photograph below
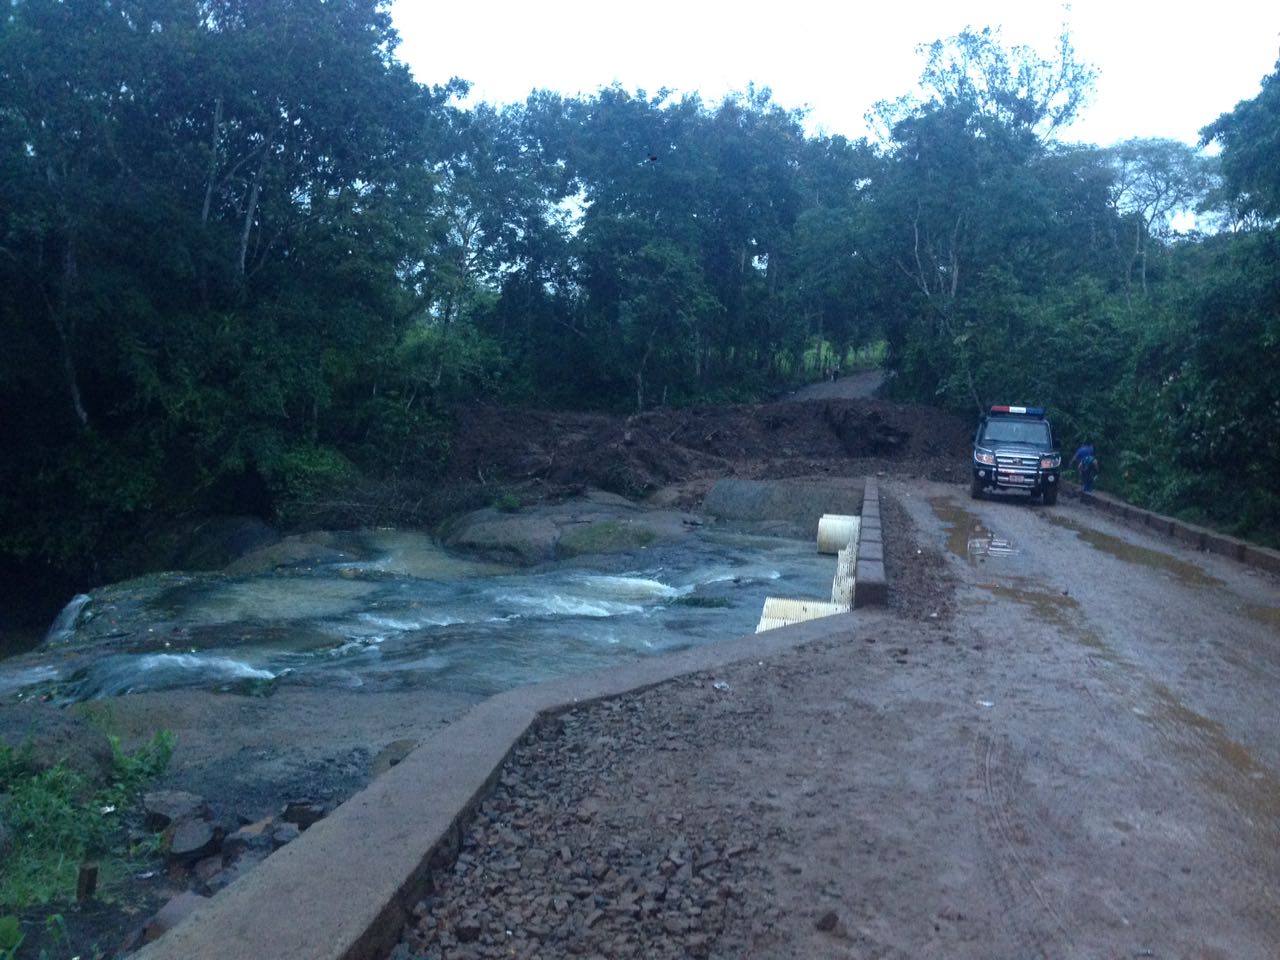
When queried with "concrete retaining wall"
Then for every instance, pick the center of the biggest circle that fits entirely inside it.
(869, 584)
(1201, 538)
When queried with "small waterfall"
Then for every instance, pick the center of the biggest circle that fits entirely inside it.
(64, 627)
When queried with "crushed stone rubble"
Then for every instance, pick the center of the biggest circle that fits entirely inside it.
(586, 848)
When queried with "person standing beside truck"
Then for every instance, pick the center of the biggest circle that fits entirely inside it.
(1086, 461)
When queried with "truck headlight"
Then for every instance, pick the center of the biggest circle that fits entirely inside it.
(1048, 463)
(982, 456)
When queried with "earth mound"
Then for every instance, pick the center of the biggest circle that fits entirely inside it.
(545, 454)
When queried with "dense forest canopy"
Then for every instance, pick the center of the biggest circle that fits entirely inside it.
(246, 260)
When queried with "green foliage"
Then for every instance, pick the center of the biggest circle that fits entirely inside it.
(60, 819)
(1007, 87)
(307, 474)
(1249, 136)
(507, 503)
(55, 927)
(11, 938)
(131, 771)
(228, 238)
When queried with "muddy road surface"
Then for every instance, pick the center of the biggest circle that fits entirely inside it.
(1120, 718)
(1059, 742)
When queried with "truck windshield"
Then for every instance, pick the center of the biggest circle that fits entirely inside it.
(1017, 431)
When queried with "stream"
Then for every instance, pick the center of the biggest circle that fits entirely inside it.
(394, 610)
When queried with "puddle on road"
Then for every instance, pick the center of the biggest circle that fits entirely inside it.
(1228, 766)
(1263, 614)
(1059, 609)
(1224, 764)
(967, 538)
(1188, 573)
(1051, 606)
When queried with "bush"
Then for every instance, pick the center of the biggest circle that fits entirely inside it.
(507, 503)
(59, 819)
(306, 475)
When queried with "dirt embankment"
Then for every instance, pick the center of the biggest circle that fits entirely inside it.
(680, 453)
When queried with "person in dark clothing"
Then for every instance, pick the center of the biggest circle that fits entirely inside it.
(1086, 461)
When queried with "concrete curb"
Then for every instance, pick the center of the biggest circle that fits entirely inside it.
(870, 588)
(1200, 538)
(343, 890)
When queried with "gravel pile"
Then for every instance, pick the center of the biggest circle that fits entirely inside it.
(587, 847)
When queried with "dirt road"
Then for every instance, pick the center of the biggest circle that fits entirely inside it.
(1123, 781)
(862, 385)
(1060, 744)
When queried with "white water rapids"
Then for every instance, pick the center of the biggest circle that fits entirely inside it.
(410, 615)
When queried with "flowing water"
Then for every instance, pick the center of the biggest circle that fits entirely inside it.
(406, 614)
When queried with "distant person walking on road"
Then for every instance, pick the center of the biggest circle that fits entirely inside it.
(1086, 461)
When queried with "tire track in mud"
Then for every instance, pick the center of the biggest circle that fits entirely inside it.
(1012, 876)
(1135, 802)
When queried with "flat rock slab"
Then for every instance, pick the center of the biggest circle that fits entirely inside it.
(596, 523)
(797, 505)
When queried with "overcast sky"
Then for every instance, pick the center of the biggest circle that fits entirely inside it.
(1164, 72)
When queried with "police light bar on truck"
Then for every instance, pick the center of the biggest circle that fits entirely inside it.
(1029, 411)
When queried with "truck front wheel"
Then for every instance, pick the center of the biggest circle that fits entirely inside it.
(975, 488)
(1050, 495)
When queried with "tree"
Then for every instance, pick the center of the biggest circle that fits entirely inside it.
(672, 189)
(209, 213)
(1011, 87)
(966, 207)
(1155, 181)
(1249, 136)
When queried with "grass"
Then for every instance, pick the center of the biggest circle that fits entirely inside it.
(58, 818)
(605, 536)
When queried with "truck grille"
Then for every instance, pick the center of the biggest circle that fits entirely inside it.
(1016, 469)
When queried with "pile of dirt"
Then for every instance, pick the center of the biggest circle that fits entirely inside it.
(544, 453)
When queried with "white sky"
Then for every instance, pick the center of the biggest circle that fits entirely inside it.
(1166, 69)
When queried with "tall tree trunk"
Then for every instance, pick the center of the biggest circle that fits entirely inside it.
(648, 349)
(1143, 233)
(64, 324)
(251, 208)
(213, 162)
